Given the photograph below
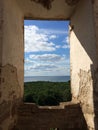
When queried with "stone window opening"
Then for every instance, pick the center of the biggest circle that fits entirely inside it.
(46, 49)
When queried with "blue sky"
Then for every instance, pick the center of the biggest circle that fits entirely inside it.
(46, 49)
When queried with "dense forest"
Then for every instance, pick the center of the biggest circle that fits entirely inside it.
(47, 93)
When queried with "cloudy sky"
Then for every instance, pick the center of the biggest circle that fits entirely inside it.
(46, 48)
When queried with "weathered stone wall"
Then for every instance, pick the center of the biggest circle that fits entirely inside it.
(68, 116)
(1, 29)
(59, 9)
(95, 11)
(12, 13)
(13, 46)
(11, 62)
(84, 63)
(95, 7)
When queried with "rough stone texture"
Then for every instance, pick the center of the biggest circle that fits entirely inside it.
(95, 7)
(86, 96)
(11, 79)
(69, 116)
(84, 65)
(10, 89)
(82, 44)
(95, 11)
(13, 46)
(46, 4)
(1, 30)
(10, 97)
(59, 9)
(85, 86)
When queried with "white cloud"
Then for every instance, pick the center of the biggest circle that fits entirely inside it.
(27, 61)
(53, 37)
(47, 64)
(46, 57)
(54, 31)
(36, 41)
(40, 67)
(57, 46)
(47, 69)
(66, 40)
(67, 44)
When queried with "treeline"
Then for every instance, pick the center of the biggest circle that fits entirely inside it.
(47, 93)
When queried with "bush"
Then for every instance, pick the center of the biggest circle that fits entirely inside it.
(47, 93)
(29, 98)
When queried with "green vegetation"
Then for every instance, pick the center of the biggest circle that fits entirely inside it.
(47, 93)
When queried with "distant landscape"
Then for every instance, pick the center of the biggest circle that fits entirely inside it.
(47, 78)
(46, 93)
(46, 62)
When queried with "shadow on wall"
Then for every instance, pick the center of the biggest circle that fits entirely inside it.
(95, 95)
(88, 78)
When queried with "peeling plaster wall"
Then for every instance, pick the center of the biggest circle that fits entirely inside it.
(83, 59)
(12, 13)
(83, 48)
(11, 68)
(10, 97)
(13, 46)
